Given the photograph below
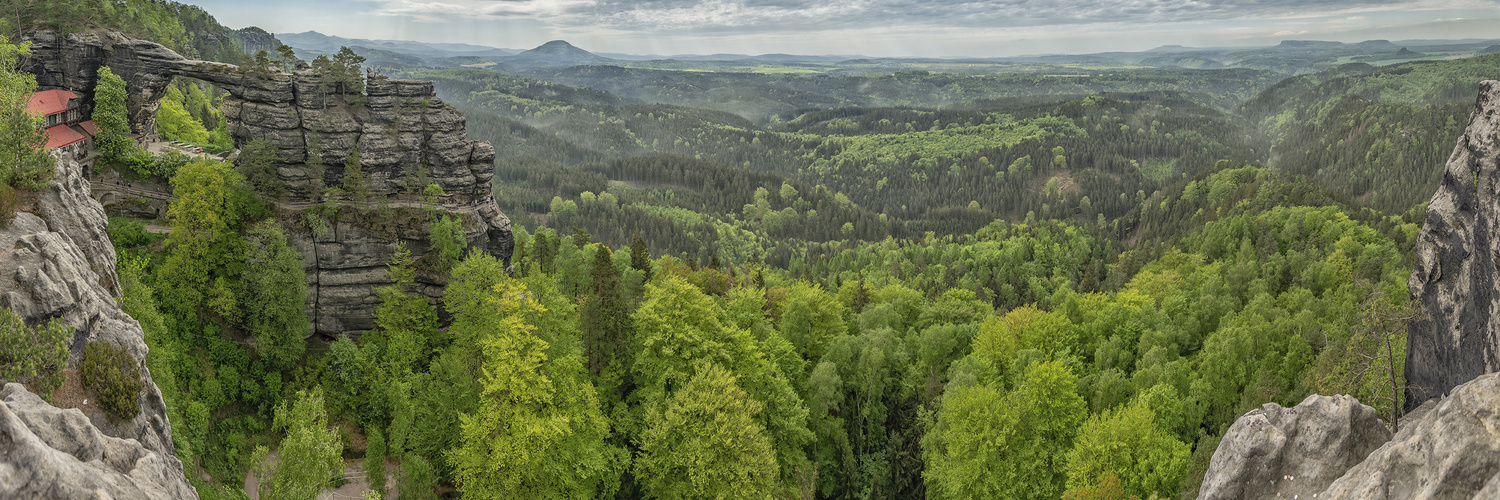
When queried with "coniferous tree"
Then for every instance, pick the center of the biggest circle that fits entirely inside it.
(606, 325)
(355, 183)
(640, 256)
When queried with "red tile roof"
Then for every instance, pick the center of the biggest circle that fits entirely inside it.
(50, 102)
(62, 135)
(90, 128)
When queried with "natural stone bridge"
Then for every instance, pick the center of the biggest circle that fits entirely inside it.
(400, 128)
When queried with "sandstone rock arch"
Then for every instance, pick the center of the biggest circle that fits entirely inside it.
(399, 126)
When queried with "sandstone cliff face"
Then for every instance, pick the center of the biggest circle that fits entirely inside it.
(58, 263)
(1447, 448)
(1455, 278)
(399, 127)
(347, 264)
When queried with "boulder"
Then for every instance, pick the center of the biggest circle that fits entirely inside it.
(1292, 452)
(1449, 450)
(55, 453)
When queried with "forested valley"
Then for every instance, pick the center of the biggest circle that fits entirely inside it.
(842, 285)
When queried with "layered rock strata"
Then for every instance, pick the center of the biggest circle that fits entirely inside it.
(1455, 280)
(346, 264)
(56, 262)
(404, 135)
(400, 127)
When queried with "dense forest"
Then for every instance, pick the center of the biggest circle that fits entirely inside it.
(734, 285)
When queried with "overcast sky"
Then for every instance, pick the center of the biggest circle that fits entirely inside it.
(868, 27)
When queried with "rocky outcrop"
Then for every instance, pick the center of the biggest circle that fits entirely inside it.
(56, 262)
(1455, 279)
(1281, 452)
(55, 453)
(400, 127)
(1447, 448)
(1452, 450)
(405, 137)
(346, 263)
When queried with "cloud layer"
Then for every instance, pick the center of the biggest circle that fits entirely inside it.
(784, 15)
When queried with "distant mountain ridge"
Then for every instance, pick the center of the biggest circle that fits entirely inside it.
(315, 42)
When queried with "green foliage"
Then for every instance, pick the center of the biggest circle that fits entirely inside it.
(205, 250)
(257, 163)
(989, 444)
(446, 235)
(538, 432)
(112, 118)
(35, 354)
(274, 296)
(307, 457)
(110, 371)
(416, 480)
(374, 465)
(186, 29)
(175, 123)
(354, 180)
(705, 441)
(406, 319)
(1129, 444)
(24, 162)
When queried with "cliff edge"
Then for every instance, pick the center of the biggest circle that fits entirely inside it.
(1455, 278)
(56, 261)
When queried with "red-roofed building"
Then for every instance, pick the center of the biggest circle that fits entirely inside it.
(62, 119)
(61, 136)
(56, 107)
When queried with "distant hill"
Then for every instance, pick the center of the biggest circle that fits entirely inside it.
(315, 43)
(555, 54)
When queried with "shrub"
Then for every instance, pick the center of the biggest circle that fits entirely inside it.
(111, 372)
(38, 354)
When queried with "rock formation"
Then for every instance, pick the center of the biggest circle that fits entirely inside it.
(1286, 452)
(346, 264)
(404, 135)
(399, 126)
(1447, 448)
(57, 262)
(1455, 279)
(55, 453)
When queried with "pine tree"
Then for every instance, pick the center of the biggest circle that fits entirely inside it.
(606, 325)
(354, 181)
(640, 256)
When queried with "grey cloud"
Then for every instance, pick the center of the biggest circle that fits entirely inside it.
(784, 15)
